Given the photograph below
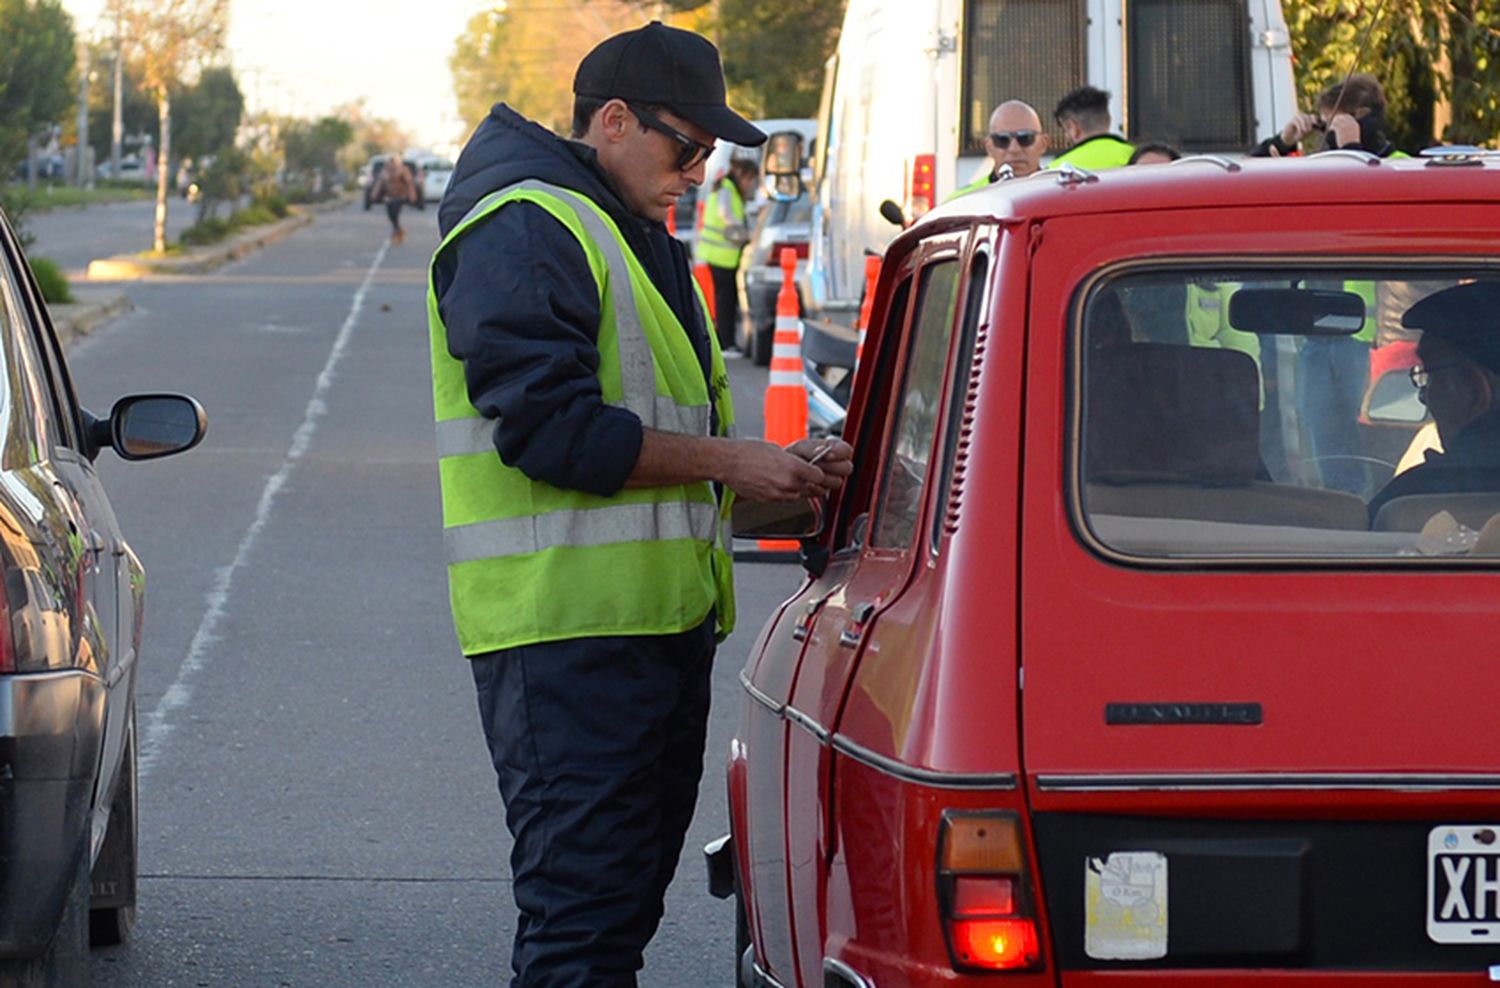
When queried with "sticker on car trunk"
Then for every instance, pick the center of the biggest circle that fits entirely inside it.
(1125, 906)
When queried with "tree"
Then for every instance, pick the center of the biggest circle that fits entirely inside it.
(206, 116)
(138, 112)
(524, 52)
(312, 148)
(774, 53)
(1439, 63)
(37, 63)
(170, 40)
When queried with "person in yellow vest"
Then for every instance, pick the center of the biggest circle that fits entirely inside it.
(723, 237)
(1083, 115)
(586, 460)
(1015, 141)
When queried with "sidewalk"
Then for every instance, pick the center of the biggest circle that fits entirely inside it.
(199, 260)
(91, 308)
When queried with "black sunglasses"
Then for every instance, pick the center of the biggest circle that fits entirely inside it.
(1002, 138)
(692, 153)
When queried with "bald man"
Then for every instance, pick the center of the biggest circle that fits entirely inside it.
(1016, 140)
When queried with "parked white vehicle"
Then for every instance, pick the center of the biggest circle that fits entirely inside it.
(908, 95)
(435, 175)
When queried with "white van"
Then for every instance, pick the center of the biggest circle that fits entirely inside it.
(908, 95)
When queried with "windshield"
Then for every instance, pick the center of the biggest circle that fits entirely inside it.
(1291, 413)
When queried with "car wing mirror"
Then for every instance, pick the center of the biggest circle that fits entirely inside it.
(777, 519)
(892, 213)
(1391, 399)
(147, 426)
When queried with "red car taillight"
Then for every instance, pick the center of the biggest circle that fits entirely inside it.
(798, 248)
(921, 196)
(985, 892)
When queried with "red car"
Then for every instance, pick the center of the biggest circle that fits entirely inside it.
(1116, 661)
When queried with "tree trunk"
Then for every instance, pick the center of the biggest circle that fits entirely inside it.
(163, 166)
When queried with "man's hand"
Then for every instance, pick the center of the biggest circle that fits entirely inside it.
(1299, 127)
(1345, 130)
(762, 471)
(833, 456)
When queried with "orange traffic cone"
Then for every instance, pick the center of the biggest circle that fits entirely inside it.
(672, 220)
(786, 401)
(872, 275)
(705, 279)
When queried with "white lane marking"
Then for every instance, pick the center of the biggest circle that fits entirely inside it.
(159, 723)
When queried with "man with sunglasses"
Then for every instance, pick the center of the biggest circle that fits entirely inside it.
(1015, 141)
(586, 464)
(1458, 379)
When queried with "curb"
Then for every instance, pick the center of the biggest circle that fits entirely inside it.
(92, 308)
(200, 260)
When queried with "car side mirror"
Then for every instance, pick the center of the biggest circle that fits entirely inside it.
(893, 213)
(1391, 399)
(782, 165)
(777, 519)
(148, 426)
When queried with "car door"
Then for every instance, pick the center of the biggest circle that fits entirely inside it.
(884, 548)
(96, 555)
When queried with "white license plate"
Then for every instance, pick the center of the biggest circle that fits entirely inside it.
(1463, 883)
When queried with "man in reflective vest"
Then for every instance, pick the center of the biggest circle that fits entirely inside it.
(1015, 141)
(1084, 117)
(722, 238)
(586, 462)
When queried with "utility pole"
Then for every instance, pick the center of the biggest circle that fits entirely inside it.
(117, 134)
(81, 170)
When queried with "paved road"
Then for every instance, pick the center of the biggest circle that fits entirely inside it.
(73, 237)
(317, 804)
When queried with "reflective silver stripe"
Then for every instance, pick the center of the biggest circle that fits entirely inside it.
(609, 525)
(462, 437)
(637, 364)
(791, 350)
(786, 377)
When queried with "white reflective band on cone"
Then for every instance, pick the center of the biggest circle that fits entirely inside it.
(789, 350)
(786, 378)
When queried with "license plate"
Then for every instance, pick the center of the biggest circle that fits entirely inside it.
(1463, 883)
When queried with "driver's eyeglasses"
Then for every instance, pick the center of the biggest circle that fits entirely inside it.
(692, 153)
(1422, 373)
(1002, 138)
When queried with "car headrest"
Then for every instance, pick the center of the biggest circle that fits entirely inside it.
(1155, 412)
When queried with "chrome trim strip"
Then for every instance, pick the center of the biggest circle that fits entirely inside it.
(764, 699)
(923, 776)
(764, 980)
(806, 722)
(1284, 781)
(838, 967)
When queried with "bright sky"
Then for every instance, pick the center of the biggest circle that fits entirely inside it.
(305, 57)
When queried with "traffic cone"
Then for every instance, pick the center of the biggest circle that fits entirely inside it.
(672, 220)
(786, 400)
(872, 275)
(706, 283)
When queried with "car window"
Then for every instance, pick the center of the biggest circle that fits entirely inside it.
(1274, 413)
(913, 432)
(27, 413)
(40, 345)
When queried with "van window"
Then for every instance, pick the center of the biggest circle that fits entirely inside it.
(1275, 413)
(920, 404)
(1189, 73)
(1030, 50)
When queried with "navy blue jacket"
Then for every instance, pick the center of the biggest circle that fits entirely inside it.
(522, 308)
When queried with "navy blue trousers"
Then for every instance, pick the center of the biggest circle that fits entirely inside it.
(598, 745)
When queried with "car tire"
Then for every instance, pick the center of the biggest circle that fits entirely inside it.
(119, 857)
(65, 962)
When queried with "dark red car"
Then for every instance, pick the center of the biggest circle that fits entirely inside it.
(1113, 664)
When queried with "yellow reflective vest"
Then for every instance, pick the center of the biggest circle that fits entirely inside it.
(1097, 153)
(724, 232)
(529, 562)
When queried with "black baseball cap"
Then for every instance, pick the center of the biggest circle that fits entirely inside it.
(1467, 317)
(670, 67)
